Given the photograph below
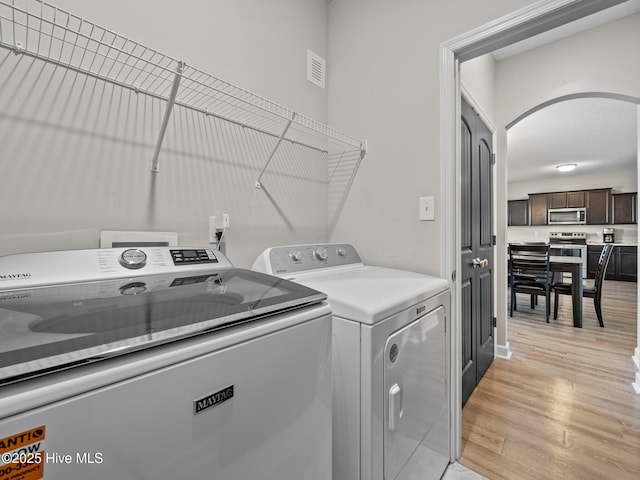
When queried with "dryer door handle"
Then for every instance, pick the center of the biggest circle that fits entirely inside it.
(395, 407)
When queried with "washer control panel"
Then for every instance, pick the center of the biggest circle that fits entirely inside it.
(73, 266)
(192, 256)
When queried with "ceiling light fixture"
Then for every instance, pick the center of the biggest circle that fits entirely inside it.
(567, 167)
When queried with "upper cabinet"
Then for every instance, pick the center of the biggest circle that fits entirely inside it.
(598, 206)
(518, 212)
(602, 207)
(538, 209)
(624, 208)
(567, 199)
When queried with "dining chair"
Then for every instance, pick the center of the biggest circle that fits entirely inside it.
(595, 291)
(529, 273)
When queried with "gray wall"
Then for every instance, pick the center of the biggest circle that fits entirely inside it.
(384, 85)
(71, 167)
(75, 153)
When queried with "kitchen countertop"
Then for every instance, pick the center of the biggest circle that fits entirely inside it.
(615, 244)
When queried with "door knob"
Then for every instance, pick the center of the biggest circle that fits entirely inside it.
(480, 262)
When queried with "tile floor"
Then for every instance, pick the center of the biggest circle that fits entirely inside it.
(459, 472)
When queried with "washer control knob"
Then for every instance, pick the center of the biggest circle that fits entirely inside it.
(133, 259)
(295, 255)
(133, 288)
(320, 253)
(341, 252)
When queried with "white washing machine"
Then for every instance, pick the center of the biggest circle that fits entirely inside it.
(160, 363)
(391, 347)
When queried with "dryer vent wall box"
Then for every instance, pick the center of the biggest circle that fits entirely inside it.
(391, 361)
(126, 238)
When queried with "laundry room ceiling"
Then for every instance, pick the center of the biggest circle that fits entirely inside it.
(595, 133)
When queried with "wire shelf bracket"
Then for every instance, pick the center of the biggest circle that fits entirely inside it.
(258, 185)
(167, 114)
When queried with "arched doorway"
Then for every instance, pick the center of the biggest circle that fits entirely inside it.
(525, 23)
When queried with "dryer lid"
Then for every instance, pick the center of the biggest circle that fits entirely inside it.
(369, 294)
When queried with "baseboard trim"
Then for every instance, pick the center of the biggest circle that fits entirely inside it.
(503, 351)
(636, 360)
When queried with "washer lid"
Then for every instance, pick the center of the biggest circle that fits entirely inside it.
(51, 328)
(369, 294)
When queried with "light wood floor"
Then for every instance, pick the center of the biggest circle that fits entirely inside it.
(563, 406)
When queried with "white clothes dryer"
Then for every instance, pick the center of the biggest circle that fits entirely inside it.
(391, 350)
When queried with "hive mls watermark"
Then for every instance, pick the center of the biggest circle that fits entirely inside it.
(23, 455)
(81, 458)
(27, 458)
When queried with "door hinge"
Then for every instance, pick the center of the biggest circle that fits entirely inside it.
(495, 322)
(453, 276)
(494, 240)
(493, 159)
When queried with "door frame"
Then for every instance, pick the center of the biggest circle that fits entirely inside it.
(524, 23)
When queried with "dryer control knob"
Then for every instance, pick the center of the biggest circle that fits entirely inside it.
(320, 254)
(133, 259)
(341, 252)
(295, 255)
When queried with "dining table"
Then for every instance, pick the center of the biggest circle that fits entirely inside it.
(571, 265)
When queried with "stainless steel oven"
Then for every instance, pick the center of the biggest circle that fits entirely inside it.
(570, 244)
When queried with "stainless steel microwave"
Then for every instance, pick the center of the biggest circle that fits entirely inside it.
(567, 216)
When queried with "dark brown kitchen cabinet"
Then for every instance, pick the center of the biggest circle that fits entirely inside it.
(627, 265)
(538, 207)
(567, 199)
(518, 212)
(557, 200)
(598, 206)
(624, 208)
(593, 255)
(622, 266)
(576, 199)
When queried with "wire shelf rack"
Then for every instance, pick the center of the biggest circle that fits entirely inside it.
(43, 31)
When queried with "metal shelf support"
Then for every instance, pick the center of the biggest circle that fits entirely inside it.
(167, 114)
(258, 185)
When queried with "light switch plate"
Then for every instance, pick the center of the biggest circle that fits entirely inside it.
(427, 208)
